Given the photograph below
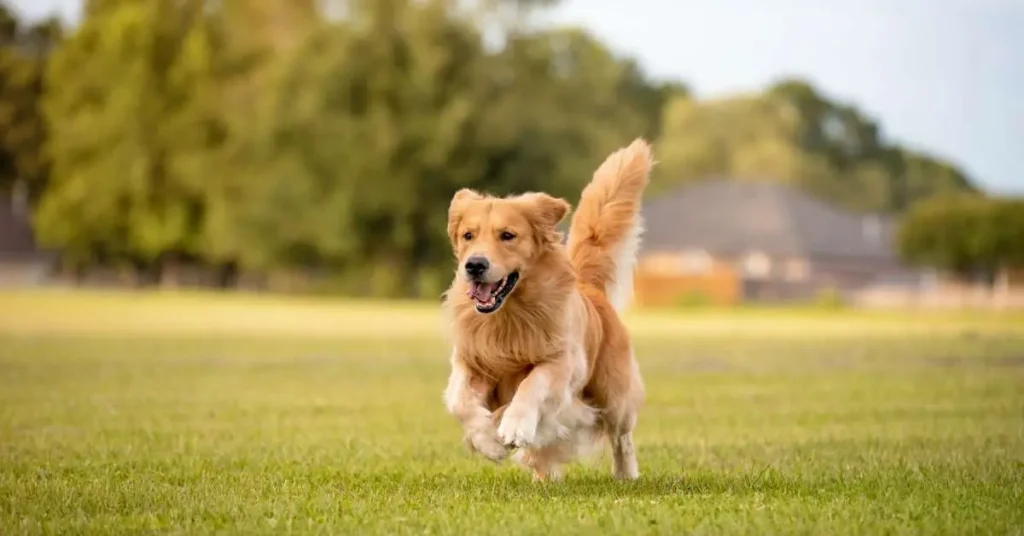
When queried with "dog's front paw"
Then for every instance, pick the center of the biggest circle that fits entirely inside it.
(519, 429)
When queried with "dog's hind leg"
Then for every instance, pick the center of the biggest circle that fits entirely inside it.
(624, 456)
(544, 463)
(620, 418)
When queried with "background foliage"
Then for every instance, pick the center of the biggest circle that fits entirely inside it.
(258, 137)
(968, 235)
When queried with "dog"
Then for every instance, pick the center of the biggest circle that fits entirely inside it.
(541, 362)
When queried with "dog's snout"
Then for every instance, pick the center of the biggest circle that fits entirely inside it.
(477, 266)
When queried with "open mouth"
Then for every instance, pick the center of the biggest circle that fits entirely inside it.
(490, 296)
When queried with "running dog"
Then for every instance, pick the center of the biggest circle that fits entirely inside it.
(541, 361)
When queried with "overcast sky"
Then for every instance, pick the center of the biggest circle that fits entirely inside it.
(944, 76)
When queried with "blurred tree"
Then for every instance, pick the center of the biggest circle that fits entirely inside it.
(24, 51)
(792, 133)
(246, 43)
(558, 102)
(966, 235)
(366, 129)
(261, 136)
(648, 96)
(920, 176)
(119, 124)
(379, 117)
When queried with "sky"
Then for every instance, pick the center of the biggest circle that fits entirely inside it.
(941, 76)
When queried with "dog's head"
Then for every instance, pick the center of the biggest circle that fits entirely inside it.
(497, 241)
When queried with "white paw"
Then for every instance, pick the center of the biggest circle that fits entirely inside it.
(519, 429)
(488, 445)
(628, 474)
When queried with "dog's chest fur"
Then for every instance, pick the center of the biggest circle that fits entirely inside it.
(506, 343)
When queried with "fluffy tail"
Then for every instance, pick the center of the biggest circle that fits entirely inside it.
(606, 227)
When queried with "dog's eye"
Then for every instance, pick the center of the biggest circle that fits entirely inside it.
(467, 236)
(506, 236)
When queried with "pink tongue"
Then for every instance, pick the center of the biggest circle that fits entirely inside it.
(481, 292)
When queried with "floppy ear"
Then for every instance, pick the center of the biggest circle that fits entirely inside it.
(455, 209)
(545, 213)
(546, 210)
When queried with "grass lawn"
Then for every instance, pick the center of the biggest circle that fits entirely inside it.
(197, 414)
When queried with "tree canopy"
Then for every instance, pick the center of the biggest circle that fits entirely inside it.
(258, 136)
(791, 133)
(967, 235)
(23, 51)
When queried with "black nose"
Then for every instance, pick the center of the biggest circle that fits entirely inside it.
(476, 266)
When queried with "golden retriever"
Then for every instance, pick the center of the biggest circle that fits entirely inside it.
(541, 361)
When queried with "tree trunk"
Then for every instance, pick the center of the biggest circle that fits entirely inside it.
(170, 271)
(74, 271)
(227, 276)
(1001, 290)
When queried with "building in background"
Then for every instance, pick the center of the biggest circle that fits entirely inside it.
(726, 242)
(22, 263)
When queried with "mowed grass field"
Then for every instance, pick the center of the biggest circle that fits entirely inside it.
(196, 414)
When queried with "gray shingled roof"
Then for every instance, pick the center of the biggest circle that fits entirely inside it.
(728, 217)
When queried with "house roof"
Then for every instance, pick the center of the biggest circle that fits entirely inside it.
(729, 217)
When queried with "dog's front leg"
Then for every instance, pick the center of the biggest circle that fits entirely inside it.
(465, 397)
(545, 391)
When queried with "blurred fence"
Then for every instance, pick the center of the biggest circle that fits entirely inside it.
(951, 297)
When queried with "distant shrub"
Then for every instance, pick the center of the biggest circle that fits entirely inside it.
(694, 299)
(829, 298)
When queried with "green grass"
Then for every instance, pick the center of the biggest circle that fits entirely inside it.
(241, 415)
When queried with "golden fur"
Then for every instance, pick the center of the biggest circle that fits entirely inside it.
(552, 370)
